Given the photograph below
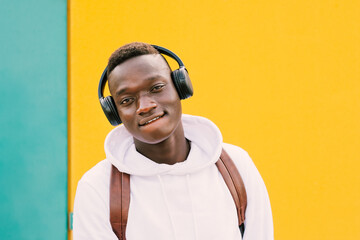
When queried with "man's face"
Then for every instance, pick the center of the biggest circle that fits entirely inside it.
(145, 97)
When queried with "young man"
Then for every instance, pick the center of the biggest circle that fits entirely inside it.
(177, 191)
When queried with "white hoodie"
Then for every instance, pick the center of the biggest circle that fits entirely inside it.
(184, 201)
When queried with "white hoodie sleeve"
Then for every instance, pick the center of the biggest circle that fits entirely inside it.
(91, 214)
(258, 216)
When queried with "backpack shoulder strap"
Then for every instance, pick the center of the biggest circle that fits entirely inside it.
(235, 184)
(119, 201)
(120, 194)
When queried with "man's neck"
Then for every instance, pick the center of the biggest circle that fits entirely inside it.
(174, 149)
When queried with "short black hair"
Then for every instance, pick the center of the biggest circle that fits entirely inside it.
(128, 51)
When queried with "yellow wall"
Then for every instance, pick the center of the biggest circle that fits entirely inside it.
(280, 78)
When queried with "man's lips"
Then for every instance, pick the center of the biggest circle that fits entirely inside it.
(150, 119)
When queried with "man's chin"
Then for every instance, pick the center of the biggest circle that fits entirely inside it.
(154, 135)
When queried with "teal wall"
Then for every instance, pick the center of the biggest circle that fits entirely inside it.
(33, 119)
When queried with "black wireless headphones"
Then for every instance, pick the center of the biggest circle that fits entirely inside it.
(180, 78)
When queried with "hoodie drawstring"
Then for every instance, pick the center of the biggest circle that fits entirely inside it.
(167, 205)
(168, 209)
(192, 205)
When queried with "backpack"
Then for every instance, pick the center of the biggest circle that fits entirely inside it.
(120, 194)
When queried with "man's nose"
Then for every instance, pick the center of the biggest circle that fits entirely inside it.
(145, 104)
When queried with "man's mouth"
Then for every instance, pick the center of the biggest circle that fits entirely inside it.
(151, 120)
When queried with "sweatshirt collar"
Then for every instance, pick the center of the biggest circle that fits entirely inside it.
(206, 144)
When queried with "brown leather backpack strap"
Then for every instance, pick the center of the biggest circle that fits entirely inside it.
(120, 194)
(119, 201)
(234, 182)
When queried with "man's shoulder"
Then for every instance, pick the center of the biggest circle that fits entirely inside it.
(236, 153)
(242, 160)
(98, 176)
(234, 149)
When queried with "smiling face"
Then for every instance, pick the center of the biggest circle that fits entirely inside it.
(146, 99)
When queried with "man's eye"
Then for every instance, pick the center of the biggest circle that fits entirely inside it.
(125, 101)
(158, 88)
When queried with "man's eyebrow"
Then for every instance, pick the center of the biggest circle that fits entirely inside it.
(150, 79)
(120, 91)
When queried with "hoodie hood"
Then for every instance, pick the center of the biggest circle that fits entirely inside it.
(206, 145)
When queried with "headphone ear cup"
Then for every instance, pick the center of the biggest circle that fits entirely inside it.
(182, 83)
(109, 108)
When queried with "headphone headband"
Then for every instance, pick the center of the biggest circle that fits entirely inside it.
(102, 83)
(169, 53)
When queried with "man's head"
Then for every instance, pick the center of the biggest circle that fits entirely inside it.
(145, 97)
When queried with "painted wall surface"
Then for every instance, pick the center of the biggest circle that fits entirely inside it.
(280, 78)
(33, 120)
